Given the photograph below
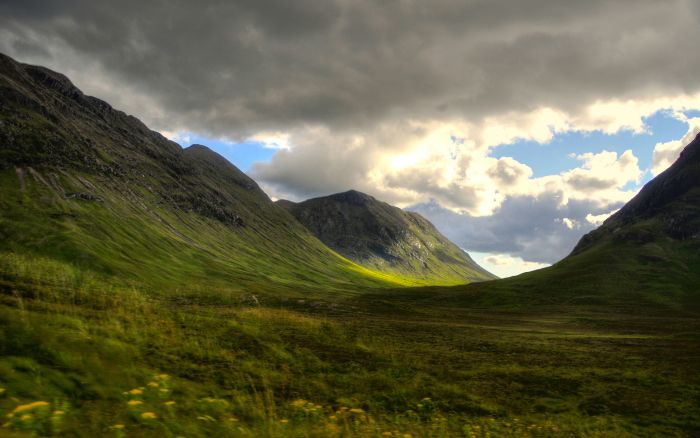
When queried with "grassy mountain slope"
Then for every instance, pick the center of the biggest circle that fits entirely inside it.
(85, 184)
(385, 238)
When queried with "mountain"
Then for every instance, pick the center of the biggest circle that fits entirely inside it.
(89, 186)
(381, 237)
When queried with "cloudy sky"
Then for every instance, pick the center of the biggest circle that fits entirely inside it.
(515, 126)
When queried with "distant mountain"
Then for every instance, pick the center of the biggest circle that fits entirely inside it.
(88, 185)
(379, 236)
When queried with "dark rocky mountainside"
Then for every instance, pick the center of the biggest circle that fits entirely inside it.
(380, 236)
(48, 122)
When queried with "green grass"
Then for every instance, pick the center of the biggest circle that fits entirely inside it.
(81, 340)
(166, 249)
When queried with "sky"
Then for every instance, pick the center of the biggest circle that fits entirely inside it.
(514, 126)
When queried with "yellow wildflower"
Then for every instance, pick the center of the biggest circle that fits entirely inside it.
(149, 416)
(162, 376)
(58, 413)
(30, 406)
(117, 426)
(153, 384)
(136, 391)
(134, 402)
(333, 417)
(26, 417)
(284, 421)
(169, 402)
(357, 411)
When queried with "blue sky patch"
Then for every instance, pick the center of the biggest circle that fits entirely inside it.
(558, 155)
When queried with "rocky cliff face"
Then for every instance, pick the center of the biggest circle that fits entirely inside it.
(380, 236)
(46, 122)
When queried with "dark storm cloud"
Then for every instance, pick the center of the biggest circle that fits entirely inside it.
(529, 227)
(237, 67)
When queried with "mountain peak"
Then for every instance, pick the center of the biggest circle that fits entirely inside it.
(212, 162)
(353, 197)
(206, 153)
(383, 237)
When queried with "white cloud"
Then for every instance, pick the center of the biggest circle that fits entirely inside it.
(505, 265)
(602, 176)
(598, 219)
(272, 140)
(414, 160)
(569, 223)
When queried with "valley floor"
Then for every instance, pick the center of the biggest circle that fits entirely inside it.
(84, 358)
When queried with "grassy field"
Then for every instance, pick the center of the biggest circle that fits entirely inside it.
(118, 361)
